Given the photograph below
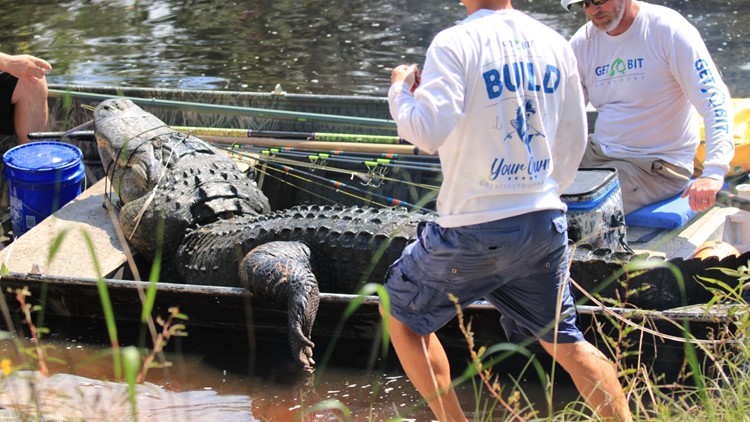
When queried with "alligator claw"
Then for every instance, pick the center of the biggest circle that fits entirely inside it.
(302, 346)
(304, 358)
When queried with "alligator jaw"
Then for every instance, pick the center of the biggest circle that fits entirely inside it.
(124, 137)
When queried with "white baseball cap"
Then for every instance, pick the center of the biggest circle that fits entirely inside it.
(567, 3)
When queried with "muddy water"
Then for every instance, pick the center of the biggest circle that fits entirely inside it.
(197, 388)
(214, 386)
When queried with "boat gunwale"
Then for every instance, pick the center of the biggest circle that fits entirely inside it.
(692, 314)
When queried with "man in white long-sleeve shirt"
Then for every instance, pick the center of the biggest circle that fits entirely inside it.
(646, 70)
(500, 101)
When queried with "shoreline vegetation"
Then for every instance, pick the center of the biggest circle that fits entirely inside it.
(711, 386)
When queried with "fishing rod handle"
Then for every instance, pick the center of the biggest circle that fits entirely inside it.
(732, 200)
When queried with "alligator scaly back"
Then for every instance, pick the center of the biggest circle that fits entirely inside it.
(350, 245)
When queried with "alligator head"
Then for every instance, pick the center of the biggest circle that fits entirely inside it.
(167, 181)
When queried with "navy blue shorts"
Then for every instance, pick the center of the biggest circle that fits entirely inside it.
(7, 86)
(517, 264)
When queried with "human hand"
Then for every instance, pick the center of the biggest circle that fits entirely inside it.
(409, 74)
(26, 66)
(702, 193)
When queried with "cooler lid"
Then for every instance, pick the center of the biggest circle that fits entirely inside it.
(590, 180)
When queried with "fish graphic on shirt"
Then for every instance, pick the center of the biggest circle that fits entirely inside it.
(521, 124)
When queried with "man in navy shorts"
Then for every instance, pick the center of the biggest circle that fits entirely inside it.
(501, 102)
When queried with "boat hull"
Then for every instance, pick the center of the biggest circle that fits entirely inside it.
(345, 323)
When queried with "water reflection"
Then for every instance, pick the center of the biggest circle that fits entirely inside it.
(334, 47)
(71, 397)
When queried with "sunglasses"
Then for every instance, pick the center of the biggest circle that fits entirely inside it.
(586, 3)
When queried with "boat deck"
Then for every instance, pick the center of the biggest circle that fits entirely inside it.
(80, 222)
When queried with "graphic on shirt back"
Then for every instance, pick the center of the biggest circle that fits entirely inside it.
(521, 124)
(520, 170)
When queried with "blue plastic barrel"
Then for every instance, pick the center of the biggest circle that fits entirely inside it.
(41, 178)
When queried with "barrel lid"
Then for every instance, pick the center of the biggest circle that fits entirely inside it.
(42, 156)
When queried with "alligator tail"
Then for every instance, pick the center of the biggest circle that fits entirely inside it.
(282, 272)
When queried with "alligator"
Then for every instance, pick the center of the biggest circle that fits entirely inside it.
(183, 200)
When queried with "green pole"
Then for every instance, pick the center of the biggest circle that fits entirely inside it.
(226, 109)
(312, 136)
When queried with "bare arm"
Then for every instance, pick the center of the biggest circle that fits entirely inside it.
(24, 66)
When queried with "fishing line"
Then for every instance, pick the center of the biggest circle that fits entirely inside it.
(365, 177)
(342, 159)
(324, 186)
(338, 185)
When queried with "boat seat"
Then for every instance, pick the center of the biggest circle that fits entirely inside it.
(668, 214)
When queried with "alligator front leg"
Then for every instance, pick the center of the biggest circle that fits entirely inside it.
(282, 271)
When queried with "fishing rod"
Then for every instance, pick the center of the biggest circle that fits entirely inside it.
(382, 162)
(367, 178)
(226, 109)
(373, 155)
(351, 147)
(338, 185)
(305, 136)
(82, 135)
(727, 198)
(429, 161)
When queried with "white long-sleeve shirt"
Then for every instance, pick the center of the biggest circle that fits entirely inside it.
(647, 84)
(500, 100)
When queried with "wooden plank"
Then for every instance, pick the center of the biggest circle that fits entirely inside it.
(85, 214)
(682, 242)
(708, 226)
